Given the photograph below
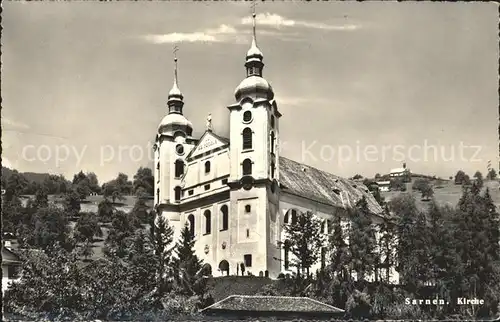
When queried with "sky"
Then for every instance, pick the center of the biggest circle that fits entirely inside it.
(363, 87)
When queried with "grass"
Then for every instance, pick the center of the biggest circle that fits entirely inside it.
(447, 193)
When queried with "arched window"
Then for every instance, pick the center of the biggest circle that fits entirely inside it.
(179, 168)
(191, 225)
(247, 138)
(324, 226)
(208, 222)
(177, 194)
(293, 219)
(247, 116)
(294, 216)
(225, 217)
(272, 142)
(247, 167)
(207, 167)
(272, 121)
(158, 195)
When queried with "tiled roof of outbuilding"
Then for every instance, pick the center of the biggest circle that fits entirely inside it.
(259, 303)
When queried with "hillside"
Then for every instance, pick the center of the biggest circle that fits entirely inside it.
(448, 193)
(30, 176)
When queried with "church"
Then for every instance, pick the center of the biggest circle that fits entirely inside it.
(236, 193)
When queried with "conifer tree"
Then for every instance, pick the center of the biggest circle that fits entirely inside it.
(162, 235)
(387, 244)
(187, 264)
(339, 251)
(362, 241)
(413, 244)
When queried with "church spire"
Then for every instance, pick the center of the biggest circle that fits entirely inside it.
(254, 57)
(175, 98)
(254, 34)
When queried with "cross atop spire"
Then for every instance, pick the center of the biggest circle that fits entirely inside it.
(175, 64)
(175, 96)
(253, 20)
(254, 51)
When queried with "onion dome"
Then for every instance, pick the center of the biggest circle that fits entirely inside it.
(254, 84)
(175, 120)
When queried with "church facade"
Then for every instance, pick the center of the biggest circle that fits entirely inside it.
(236, 193)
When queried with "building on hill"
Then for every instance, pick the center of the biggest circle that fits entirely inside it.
(236, 193)
(11, 266)
(403, 173)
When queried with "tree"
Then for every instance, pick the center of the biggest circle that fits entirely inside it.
(51, 285)
(412, 247)
(419, 183)
(445, 264)
(357, 176)
(120, 235)
(143, 182)
(479, 179)
(125, 186)
(48, 227)
(492, 174)
(378, 196)
(162, 236)
(141, 211)
(93, 182)
(187, 265)
(142, 264)
(397, 184)
(15, 186)
(86, 250)
(41, 197)
(339, 251)
(72, 202)
(113, 190)
(377, 176)
(476, 240)
(81, 185)
(460, 177)
(387, 244)
(362, 241)
(358, 305)
(105, 211)
(12, 211)
(305, 239)
(87, 227)
(427, 191)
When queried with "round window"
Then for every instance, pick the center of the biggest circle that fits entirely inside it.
(247, 116)
(179, 149)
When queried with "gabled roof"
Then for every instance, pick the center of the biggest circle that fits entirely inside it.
(210, 137)
(278, 304)
(303, 180)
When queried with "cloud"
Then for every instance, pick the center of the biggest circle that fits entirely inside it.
(277, 21)
(13, 125)
(221, 34)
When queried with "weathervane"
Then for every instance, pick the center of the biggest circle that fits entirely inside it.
(253, 16)
(175, 63)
